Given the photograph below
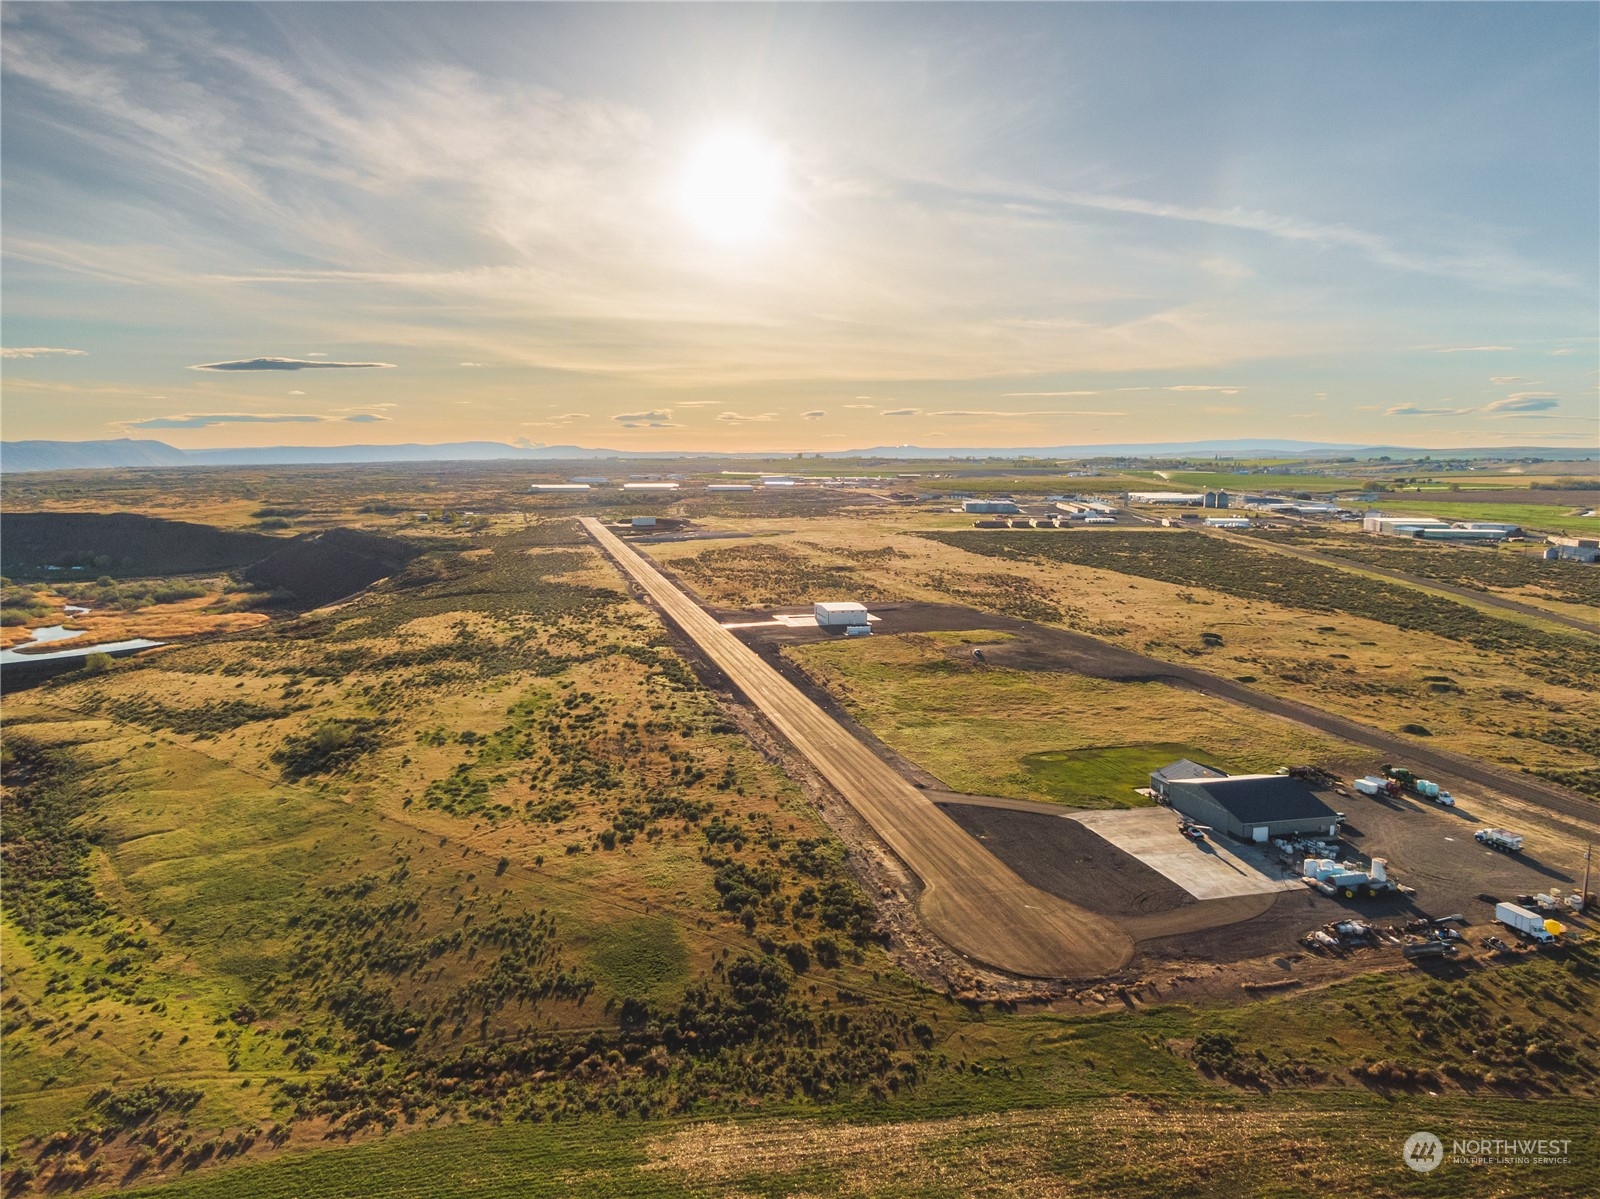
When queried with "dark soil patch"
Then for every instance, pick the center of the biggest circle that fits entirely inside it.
(319, 568)
(1063, 857)
(120, 544)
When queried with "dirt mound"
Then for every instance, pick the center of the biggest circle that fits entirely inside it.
(123, 544)
(322, 567)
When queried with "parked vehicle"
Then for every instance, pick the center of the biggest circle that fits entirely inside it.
(1530, 924)
(1498, 838)
(1400, 779)
(1373, 785)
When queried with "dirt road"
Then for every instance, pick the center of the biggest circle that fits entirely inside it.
(971, 900)
(1041, 647)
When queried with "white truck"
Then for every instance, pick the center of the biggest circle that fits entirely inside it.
(1499, 838)
(1529, 924)
(1429, 789)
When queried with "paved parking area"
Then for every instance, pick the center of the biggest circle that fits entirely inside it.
(1205, 869)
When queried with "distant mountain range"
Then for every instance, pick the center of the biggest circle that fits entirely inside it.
(21, 456)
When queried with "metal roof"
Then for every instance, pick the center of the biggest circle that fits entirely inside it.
(1185, 769)
(1261, 798)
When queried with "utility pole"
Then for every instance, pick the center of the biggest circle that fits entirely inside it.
(1588, 852)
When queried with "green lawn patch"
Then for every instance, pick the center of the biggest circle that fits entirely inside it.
(1104, 777)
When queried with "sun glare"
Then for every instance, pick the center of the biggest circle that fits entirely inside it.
(731, 186)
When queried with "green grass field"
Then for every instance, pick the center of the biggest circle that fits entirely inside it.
(1086, 778)
(1083, 742)
(1183, 480)
(1543, 518)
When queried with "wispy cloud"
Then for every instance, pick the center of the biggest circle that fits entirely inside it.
(655, 418)
(39, 352)
(696, 403)
(470, 364)
(1474, 265)
(860, 407)
(207, 420)
(1525, 401)
(1022, 394)
(1517, 404)
(287, 364)
(557, 422)
(734, 418)
(1006, 413)
(904, 412)
(1507, 380)
(814, 414)
(1227, 391)
(1470, 349)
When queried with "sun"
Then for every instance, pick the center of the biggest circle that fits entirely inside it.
(731, 186)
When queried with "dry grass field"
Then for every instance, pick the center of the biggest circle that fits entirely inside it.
(469, 886)
(1498, 703)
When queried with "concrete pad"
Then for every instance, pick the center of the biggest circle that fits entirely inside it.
(1205, 869)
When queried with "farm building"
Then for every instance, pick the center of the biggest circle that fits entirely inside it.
(1005, 506)
(1228, 522)
(559, 487)
(1575, 549)
(1215, 499)
(1182, 769)
(840, 615)
(719, 487)
(1405, 526)
(1253, 807)
(1434, 533)
(649, 487)
(642, 522)
(1165, 497)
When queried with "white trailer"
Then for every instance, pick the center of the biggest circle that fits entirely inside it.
(1372, 785)
(1529, 924)
(1499, 838)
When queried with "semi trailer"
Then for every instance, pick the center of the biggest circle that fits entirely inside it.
(1498, 838)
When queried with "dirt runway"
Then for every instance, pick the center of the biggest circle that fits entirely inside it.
(971, 900)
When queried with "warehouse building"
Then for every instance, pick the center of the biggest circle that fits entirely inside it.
(1227, 522)
(1253, 807)
(1166, 497)
(719, 487)
(1003, 506)
(840, 615)
(559, 487)
(1182, 769)
(1575, 549)
(1405, 526)
(1434, 533)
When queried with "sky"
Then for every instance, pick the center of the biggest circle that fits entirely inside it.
(796, 227)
